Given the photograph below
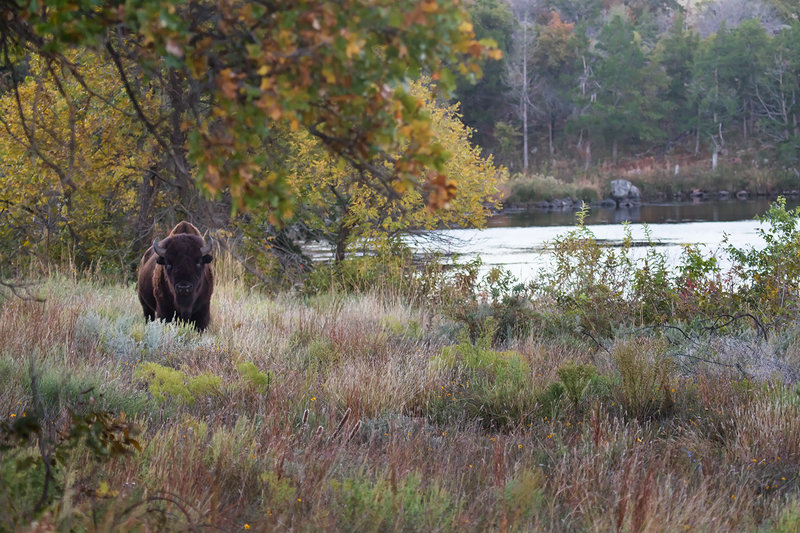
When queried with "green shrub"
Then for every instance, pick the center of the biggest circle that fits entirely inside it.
(164, 382)
(577, 384)
(37, 453)
(524, 496)
(62, 388)
(589, 279)
(259, 381)
(387, 266)
(770, 276)
(406, 504)
(494, 387)
(576, 380)
(497, 305)
(645, 377)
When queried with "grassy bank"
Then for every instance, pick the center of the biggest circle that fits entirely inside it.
(361, 412)
(655, 183)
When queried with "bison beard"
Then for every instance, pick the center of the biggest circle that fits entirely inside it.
(175, 278)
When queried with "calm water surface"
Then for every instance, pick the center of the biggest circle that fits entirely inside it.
(519, 242)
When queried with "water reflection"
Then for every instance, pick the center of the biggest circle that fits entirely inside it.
(662, 213)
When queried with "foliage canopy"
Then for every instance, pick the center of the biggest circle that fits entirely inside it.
(235, 73)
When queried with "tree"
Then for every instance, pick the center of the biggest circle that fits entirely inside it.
(728, 70)
(342, 207)
(624, 106)
(555, 59)
(236, 73)
(578, 11)
(789, 10)
(777, 106)
(521, 77)
(675, 54)
(482, 101)
(68, 173)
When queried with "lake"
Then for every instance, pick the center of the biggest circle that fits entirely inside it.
(518, 241)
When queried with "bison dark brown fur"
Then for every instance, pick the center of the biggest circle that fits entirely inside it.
(175, 277)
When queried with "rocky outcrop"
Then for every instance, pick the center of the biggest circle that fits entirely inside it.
(624, 193)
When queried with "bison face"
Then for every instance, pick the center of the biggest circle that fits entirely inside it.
(184, 258)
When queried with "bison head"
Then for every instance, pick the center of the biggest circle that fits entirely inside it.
(184, 258)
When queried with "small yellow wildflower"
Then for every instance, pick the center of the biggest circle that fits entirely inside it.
(247, 526)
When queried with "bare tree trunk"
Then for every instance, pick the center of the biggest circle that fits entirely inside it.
(524, 94)
(588, 154)
(697, 140)
(341, 242)
(144, 225)
(744, 130)
(177, 141)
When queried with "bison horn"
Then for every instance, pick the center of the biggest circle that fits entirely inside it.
(207, 246)
(159, 250)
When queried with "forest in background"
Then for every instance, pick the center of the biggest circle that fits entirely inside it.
(603, 82)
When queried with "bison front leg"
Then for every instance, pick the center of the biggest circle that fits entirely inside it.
(201, 317)
(165, 312)
(149, 312)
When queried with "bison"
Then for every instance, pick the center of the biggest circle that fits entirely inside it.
(175, 277)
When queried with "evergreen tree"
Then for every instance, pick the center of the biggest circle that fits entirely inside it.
(675, 54)
(624, 107)
(482, 101)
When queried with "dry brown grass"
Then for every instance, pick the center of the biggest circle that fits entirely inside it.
(347, 433)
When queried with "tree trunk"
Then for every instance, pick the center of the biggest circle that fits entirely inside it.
(697, 141)
(588, 154)
(341, 241)
(524, 94)
(144, 225)
(188, 198)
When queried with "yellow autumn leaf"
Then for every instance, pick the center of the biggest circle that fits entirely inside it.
(430, 6)
(353, 48)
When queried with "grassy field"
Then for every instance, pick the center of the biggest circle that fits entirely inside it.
(362, 413)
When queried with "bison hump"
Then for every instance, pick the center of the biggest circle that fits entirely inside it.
(185, 227)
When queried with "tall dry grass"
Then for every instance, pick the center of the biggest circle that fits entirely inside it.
(355, 426)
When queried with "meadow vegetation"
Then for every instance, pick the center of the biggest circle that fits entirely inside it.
(569, 182)
(612, 394)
